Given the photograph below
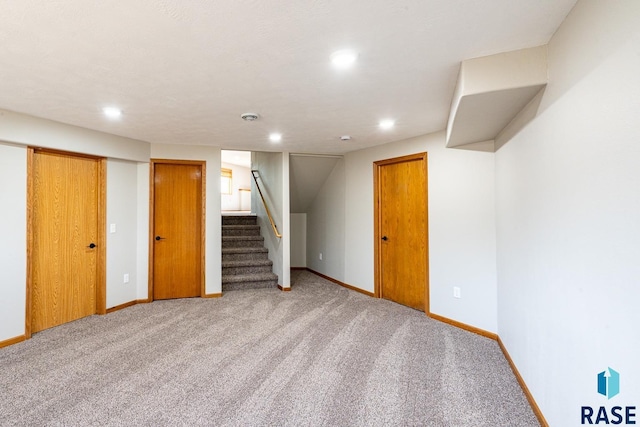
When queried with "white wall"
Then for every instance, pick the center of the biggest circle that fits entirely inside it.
(462, 247)
(241, 178)
(298, 240)
(326, 226)
(274, 182)
(568, 215)
(286, 221)
(13, 244)
(122, 210)
(213, 221)
(142, 231)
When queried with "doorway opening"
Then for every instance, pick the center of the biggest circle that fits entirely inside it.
(176, 246)
(235, 182)
(66, 255)
(401, 231)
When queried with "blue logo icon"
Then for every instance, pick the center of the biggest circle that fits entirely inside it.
(609, 383)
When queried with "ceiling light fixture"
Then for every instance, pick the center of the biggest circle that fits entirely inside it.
(344, 58)
(112, 112)
(275, 137)
(249, 117)
(386, 124)
(345, 138)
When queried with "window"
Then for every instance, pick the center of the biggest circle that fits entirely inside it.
(225, 181)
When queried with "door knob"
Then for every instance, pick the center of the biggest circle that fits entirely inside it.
(92, 245)
(385, 238)
(159, 238)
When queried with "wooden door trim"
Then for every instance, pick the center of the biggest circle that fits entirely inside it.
(101, 255)
(377, 253)
(203, 166)
(30, 184)
(101, 259)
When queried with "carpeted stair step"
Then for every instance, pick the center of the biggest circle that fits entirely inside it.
(249, 281)
(243, 254)
(242, 241)
(245, 267)
(240, 230)
(245, 261)
(239, 220)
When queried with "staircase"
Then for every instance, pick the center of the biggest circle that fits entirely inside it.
(245, 264)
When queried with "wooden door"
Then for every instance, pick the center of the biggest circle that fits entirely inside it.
(401, 247)
(177, 241)
(65, 239)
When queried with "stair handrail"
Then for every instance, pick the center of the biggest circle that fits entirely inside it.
(264, 202)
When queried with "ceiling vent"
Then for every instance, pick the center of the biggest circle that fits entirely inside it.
(250, 117)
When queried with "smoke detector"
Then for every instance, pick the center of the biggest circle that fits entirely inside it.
(250, 117)
(345, 138)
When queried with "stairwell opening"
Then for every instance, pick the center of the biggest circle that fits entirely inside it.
(235, 182)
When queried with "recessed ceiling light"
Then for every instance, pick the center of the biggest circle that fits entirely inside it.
(275, 137)
(250, 117)
(112, 112)
(386, 124)
(343, 58)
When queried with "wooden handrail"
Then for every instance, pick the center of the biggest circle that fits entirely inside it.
(266, 208)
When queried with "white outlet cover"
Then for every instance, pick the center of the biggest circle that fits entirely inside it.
(456, 292)
(112, 228)
(126, 278)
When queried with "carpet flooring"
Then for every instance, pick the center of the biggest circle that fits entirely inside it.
(320, 355)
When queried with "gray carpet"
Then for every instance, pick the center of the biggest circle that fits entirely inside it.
(320, 355)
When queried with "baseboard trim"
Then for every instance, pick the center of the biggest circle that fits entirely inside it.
(532, 402)
(127, 304)
(284, 289)
(121, 306)
(11, 341)
(218, 295)
(464, 326)
(299, 268)
(338, 282)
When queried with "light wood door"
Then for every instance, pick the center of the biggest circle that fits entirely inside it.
(401, 230)
(64, 238)
(177, 224)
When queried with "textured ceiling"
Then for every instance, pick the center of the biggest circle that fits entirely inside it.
(238, 158)
(184, 71)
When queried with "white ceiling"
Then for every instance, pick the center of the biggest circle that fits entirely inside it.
(184, 71)
(239, 158)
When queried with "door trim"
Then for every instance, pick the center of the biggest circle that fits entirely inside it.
(377, 253)
(101, 255)
(203, 217)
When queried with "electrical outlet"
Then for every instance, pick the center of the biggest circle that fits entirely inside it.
(456, 292)
(320, 256)
(126, 278)
(112, 228)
